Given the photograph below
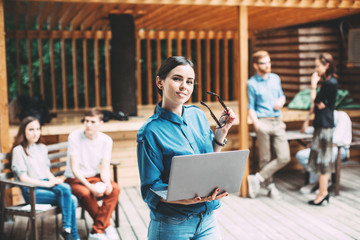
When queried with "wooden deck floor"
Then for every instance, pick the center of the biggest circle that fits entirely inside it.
(244, 218)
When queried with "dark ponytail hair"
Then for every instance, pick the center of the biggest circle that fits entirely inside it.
(326, 58)
(169, 64)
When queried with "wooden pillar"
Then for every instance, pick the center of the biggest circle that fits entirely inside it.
(4, 111)
(123, 64)
(243, 130)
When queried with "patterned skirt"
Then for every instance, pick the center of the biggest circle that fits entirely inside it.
(321, 154)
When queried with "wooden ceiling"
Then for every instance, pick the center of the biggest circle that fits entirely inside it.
(203, 15)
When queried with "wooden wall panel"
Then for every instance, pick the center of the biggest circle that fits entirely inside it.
(293, 51)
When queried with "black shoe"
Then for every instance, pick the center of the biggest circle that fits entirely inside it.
(327, 198)
(66, 235)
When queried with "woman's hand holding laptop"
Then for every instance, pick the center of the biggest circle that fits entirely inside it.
(215, 196)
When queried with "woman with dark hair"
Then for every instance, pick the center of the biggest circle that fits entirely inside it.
(31, 164)
(320, 159)
(177, 129)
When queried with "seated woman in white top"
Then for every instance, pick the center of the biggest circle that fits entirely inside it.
(31, 164)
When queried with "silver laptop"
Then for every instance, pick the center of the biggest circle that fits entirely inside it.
(199, 174)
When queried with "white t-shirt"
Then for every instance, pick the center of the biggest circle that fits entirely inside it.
(342, 131)
(36, 164)
(89, 153)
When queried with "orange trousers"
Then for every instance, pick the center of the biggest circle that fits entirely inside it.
(100, 214)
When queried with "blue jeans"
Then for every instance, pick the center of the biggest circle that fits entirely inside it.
(200, 226)
(58, 195)
(303, 157)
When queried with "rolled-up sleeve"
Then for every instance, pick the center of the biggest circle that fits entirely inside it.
(150, 168)
(18, 162)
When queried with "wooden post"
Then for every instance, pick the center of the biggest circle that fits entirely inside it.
(208, 66)
(85, 64)
(96, 70)
(107, 69)
(243, 130)
(198, 66)
(149, 69)
(4, 111)
(75, 79)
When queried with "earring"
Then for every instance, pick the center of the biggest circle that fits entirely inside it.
(160, 87)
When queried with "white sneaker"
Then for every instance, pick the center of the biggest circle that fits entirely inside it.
(97, 236)
(254, 185)
(111, 233)
(308, 188)
(274, 192)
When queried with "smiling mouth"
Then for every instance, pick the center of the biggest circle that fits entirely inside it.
(181, 94)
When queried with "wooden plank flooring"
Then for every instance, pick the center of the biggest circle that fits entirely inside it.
(244, 218)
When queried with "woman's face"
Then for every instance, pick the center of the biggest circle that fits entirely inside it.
(320, 68)
(32, 132)
(178, 85)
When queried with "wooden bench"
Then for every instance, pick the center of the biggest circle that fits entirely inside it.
(57, 156)
(291, 135)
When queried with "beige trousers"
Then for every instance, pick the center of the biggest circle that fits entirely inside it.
(271, 135)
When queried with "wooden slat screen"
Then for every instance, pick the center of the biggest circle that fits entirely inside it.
(63, 67)
(80, 78)
(293, 52)
(212, 60)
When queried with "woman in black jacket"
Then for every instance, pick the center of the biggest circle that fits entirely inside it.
(320, 159)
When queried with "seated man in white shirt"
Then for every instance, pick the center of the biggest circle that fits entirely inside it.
(89, 155)
(342, 136)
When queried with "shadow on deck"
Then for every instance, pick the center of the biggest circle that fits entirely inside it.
(244, 218)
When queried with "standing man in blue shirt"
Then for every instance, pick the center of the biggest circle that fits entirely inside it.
(266, 98)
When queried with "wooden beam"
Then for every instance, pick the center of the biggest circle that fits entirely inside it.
(236, 68)
(149, 70)
(256, 3)
(217, 64)
(179, 45)
(69, 14)
(75, 78)
(5, 142)
(208, 66)
(84, 12)
(99, 13)
(55, 17)
(44, 10)
(96, 72)
(226, 68)
(85, 63)
(169, 44)
(199, 69)
(108, 69)
(243, 131)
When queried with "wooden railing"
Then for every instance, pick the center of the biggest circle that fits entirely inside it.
(82, 79)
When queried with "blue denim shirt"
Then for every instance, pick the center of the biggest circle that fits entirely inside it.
(263, 94)
(163, 136)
